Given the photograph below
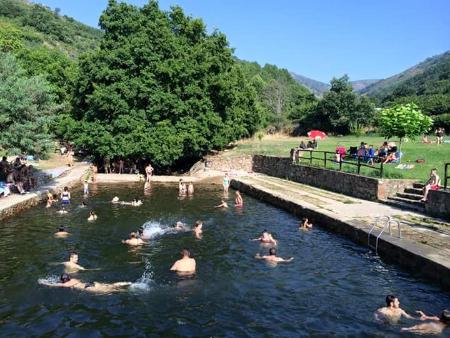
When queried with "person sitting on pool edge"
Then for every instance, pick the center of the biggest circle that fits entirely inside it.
(273, 258)
(392, 311)
(435, 326)
(198, 229)
(185, 265)
(62, 232)
(66, 281)
(304, 224)
(223, 204)
(266, 237)
(133, 240)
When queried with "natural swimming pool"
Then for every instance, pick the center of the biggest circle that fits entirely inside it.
(330, 289)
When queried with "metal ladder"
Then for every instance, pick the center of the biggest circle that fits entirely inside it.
(387, 222)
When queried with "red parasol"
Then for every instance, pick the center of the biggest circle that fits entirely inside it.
(316, 135)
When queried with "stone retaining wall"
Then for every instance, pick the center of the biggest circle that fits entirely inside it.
(368, 188)
(438, 203)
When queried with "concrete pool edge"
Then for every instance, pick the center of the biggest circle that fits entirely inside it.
(417, 258)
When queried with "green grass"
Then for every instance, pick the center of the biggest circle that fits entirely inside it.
(435, 156)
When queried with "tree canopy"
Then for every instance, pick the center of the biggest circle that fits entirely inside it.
(26, 110)
(159, 88)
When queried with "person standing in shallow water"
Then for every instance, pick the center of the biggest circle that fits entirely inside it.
(185, 265)
(238, 202)
(226, 183)
(148, 172)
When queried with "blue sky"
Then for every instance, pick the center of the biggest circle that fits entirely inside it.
(320, 39)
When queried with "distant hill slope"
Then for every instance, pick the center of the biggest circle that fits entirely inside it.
(319, 88)
(316, 87)
(359, 85)
(384, 88)
(36, 25)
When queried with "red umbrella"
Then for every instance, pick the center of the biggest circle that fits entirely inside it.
(316, 134)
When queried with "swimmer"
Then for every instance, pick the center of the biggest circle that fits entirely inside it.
(63, 211)
(273, 258)
(180, 226)
(72, 264)
(61, 233)
(190, 189)
(185, 265)
(115, 200)
(435, 326)
(198, 229)
(238, 202)
(50, 200)
(304, 224)
(180, 187)
(266, 237)
(92, 216)
(66, 281)
(133, 240)
(83, 204)
(223, 204)
(136, 202)
(392, 311)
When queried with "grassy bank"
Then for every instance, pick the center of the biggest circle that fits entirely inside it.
(434, 155)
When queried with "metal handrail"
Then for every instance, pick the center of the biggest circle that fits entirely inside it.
(399, 233)
(387, 224)
(360, 160)
(446, 175)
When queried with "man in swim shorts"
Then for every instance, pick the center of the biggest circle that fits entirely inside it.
(66, 281)
(392, 311)
(273, 258)
(186, 264)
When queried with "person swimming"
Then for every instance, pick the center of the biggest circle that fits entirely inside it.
(72, 264)
(62, 211)
(136, 202)
(304, 224)
(266, 237)
(238, 202)
(190, 189)
(435, 326)
(198, 229)
(115, 200)
(180, 226)
(83, 204)
(133, 240)
(50, 199)
(92, 216)
(273, 258)
(391, 312)
(62, 232)
(67, 282)
(185, 265)
(223, 204)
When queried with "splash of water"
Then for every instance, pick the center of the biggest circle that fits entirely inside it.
(49, 280)
(154, 229)
(144, 284)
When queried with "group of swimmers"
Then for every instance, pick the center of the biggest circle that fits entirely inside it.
(185, 189)
(392, 313)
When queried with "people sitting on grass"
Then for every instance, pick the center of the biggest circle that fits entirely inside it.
(433, 183)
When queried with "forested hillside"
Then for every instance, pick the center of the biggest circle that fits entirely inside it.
(427, 84)
(282, 98)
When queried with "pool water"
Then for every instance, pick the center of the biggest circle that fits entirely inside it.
(330, 289)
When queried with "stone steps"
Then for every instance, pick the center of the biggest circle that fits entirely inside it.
(405, 204)
(412, 197)
(415, 191)
(418, 185)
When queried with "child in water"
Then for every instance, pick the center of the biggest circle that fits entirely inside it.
(92, 216)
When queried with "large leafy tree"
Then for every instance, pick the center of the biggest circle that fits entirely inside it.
(159, 88)
(341, 110)
(26, 110)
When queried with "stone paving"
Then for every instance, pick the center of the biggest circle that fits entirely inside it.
(424, 232)
(13, 203)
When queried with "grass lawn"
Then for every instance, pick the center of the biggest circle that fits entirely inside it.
(434, 155)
